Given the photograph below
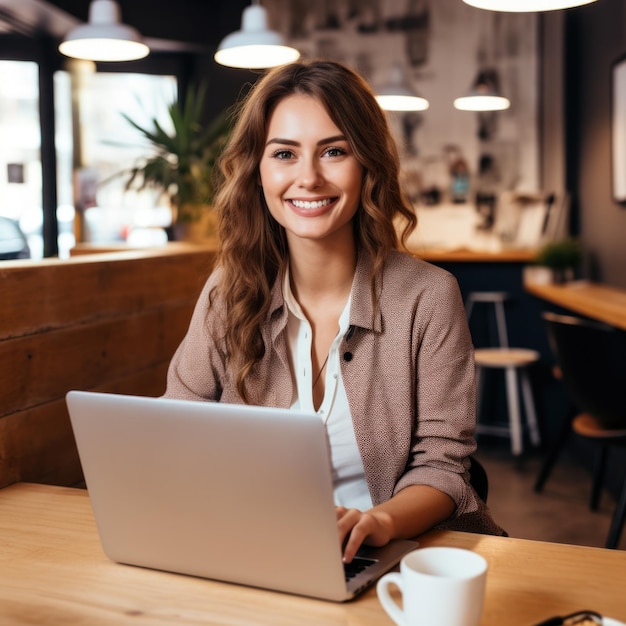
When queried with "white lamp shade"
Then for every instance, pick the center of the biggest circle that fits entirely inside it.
(526, 6)
(396, 95)
(254, 46)
(484, 95)
(480, 102)
(104, 37)
(401, 102)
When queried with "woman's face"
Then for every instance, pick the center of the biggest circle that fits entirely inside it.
(310, 177)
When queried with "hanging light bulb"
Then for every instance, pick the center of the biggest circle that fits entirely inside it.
(396, 95)
(484, 95)
(255, 46)
(104, 37)
(526, 6)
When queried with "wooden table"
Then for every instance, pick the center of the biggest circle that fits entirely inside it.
(601, 302)
(53, 572)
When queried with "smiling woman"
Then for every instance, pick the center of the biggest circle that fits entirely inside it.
(310, 176)
(303, 309)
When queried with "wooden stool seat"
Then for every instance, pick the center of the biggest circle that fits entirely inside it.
(587, 425)
(505, 357)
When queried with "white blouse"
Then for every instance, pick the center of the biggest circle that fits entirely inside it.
(350, 487)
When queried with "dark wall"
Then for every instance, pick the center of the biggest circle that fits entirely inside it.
(195, 29)
(595, 38)
(203, 22)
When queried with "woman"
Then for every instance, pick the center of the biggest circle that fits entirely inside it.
(312, 307)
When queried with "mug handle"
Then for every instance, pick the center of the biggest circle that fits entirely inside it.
(388, 603)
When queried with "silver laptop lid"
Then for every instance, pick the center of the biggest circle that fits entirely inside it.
(236, 493)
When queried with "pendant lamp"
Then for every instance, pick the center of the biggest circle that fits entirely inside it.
(526, 6)
(254, 46)
(396, 95)
(484, 95)
(104, 37)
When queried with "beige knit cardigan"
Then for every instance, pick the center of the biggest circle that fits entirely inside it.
(407, 367)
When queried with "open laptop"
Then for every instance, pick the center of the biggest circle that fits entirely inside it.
(230, 492)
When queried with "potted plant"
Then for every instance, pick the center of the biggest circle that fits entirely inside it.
(562, 257)
(182, 166)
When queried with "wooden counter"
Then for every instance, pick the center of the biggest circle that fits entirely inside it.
(600, 302)
(475, 256)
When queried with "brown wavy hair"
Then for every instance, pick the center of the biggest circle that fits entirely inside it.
(253, 246)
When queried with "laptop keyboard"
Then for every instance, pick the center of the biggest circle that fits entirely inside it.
(358, 565)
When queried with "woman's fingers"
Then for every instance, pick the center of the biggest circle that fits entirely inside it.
(347, 521)
(355, 528)
(357, 535)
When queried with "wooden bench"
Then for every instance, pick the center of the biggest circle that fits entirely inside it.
(106, 322)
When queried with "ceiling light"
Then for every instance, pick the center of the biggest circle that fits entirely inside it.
(484, 95)
(396, 95)
(519, 6)
(104, 37)
(255, 46)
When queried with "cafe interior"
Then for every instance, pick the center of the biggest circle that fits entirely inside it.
(510, 122)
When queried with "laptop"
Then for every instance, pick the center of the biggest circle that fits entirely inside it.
(236, 493)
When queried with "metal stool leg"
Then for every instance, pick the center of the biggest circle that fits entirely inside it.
(501, 324)
(515, 421)
(529, 405)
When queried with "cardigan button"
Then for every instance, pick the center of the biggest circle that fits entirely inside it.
(347, 356)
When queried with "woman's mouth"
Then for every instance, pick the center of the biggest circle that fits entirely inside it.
(311, 204)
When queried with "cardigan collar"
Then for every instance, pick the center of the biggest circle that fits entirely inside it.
(362, 311)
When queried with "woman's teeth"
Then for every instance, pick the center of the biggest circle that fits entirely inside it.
(316, 204)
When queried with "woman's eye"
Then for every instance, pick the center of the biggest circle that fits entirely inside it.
(335, 152)
(282, 155)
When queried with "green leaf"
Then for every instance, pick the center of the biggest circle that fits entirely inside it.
(183, 161)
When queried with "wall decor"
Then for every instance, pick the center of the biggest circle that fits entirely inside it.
(441, 46)
(618, 137)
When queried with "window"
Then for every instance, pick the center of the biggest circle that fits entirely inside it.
(20, 150)
(91, 174)
(94, 145)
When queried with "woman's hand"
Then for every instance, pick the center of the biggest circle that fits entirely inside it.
(357, 527)
(412, 511)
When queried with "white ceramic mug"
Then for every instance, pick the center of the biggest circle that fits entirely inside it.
(440, 587)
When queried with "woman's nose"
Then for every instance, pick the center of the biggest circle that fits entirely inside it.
(309, 175)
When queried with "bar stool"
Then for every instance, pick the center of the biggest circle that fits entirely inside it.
(514, 362)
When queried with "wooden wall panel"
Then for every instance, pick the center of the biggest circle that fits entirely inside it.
(45, 365)
(37, 445)
(106, 322)
(54, 293)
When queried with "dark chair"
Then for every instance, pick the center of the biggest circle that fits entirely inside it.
(478, 479)
(591, 360)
